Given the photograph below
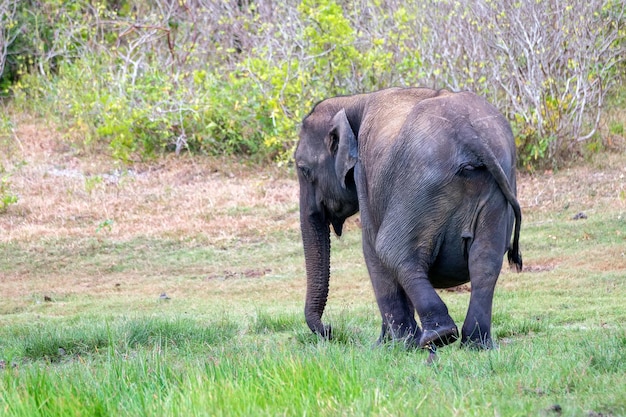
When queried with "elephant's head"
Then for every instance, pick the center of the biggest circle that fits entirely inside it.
(325, 160)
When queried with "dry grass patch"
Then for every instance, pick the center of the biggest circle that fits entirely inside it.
(595, 185)
(64, 194)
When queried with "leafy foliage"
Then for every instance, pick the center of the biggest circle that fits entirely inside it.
(7, 196)
(237, 77)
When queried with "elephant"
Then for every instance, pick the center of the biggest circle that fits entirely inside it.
(432, 173)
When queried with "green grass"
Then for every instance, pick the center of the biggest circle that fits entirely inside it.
(83, 331)
(221, 372)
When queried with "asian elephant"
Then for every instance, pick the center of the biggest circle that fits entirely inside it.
(433, 176)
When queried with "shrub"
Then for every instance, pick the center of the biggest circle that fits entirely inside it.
(238, 77)
(7, 197)
(8, 33)
(555, 62)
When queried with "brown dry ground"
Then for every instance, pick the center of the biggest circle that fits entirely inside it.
(64, 193)
(67, 194)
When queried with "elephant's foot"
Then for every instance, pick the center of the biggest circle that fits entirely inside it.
(477, 344)
(407, 335)
(438, 337)
(407, 342)
(478, 337)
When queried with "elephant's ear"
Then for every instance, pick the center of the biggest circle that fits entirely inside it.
(343, 145)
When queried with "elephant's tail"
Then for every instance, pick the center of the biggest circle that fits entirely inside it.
(495, 169)
(493, 166)
(514, 254)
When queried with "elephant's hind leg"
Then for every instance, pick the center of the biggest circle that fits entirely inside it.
(476, 330)
(396, 248)
(438, 328)
(484, 262)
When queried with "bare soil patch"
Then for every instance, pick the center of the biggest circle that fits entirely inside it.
(578, 190)
(538, 268)
(248, 273)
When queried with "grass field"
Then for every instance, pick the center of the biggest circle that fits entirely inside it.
(176, 289)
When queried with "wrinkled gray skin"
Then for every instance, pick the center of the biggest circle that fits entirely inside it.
(433, 175)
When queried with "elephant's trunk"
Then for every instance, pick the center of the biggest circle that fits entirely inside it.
(316, 242)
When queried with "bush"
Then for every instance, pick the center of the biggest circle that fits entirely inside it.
(238, 77)
(7, 197)
(555, 62)
(8, 33)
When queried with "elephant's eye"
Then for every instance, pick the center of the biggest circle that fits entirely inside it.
(306, 172)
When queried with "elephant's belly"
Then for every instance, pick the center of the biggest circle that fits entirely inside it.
(449, 269)
(441, 281)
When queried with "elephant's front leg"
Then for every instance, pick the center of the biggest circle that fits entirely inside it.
(396, 309)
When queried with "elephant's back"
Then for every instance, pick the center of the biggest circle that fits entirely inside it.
(424, 155)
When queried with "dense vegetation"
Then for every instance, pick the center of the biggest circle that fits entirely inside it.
(237, 77)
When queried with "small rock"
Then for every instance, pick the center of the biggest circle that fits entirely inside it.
(4, 365)
(579, 216)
